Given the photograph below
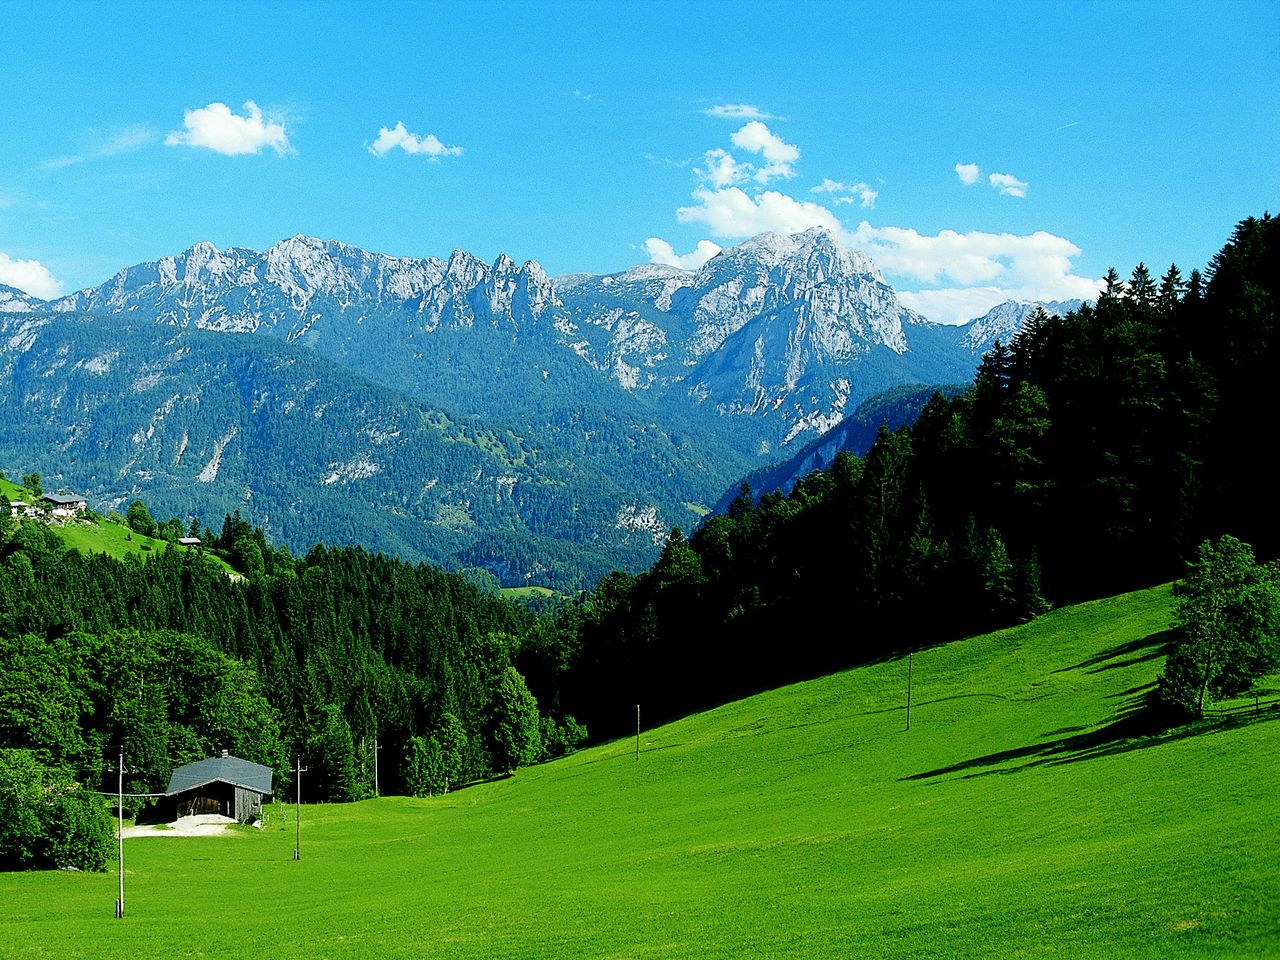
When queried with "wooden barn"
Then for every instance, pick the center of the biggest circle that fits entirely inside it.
(224, 785)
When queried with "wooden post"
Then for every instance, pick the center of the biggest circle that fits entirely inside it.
(909, 691)
(376, 748)
(637, 733)
(120, 815)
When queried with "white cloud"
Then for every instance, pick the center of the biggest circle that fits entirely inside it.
(398, 136)
(731, 213)
(961, 304)
(968, 273)
(720, 169)
(662, 252)
(739, 111)
(30, 276)
(988, 268)
(756, 137)
(217, 128)
(966, 258)
(122, 140)
(1008, 184)
(583, 95)
(849, 192)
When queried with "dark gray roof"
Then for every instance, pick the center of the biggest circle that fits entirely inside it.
(62, 498)
(241, 773)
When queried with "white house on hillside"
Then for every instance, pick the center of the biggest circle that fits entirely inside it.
(65, 505)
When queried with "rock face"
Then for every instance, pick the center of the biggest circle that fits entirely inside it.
(13, 300)
(784, 330)
(1003, 321)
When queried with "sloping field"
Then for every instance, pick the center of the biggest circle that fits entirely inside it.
(1014, 819)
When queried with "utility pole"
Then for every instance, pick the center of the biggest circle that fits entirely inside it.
(376, 748)
(637, 733)
(909, 655)
(120, 830)
(297, 786)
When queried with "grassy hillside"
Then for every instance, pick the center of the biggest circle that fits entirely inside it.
(115, 539)
(108, 536)
(1013, 820)
(13, 491)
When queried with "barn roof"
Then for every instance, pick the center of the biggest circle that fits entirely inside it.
(233, 770)
(64, 499)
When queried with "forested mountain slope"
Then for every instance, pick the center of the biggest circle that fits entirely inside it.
(200, 423)
(1093, 454)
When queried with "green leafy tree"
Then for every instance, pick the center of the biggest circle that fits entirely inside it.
(561, 737)
(435, 763)
(423, 774)
(333, 755)
(139, 519)
(246, 556)
(1228, 612)
(515, 738)
(32, 482)
(48, 820)
(451, 735)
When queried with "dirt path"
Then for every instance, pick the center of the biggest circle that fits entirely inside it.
(201, 825)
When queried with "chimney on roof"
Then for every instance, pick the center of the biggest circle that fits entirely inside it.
(225, 754)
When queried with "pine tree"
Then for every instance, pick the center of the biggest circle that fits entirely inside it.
(1142, 289)
(1172, 290)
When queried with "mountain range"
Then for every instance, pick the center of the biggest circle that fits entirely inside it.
(547, 429)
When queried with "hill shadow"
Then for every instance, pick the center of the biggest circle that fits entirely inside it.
(1137, 728)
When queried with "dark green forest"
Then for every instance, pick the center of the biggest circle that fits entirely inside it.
(1092, 454)
(311, 657)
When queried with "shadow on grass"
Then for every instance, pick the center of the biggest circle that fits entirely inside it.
(1150, 647)
(1137, 728)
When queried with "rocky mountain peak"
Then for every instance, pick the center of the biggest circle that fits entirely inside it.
(1003, 321)
(13, 300)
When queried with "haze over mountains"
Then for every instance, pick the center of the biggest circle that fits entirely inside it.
(547, 429)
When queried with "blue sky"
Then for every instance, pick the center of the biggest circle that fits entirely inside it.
(975, 150)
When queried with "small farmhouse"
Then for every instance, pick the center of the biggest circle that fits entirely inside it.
(20, 508)
(188, 541)
(65, 505)
(224, 785)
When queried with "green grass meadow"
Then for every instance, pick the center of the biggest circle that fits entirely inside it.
(525, 593)
(116, 540)
(107, 535)
(13, 491)
(1017, 818)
